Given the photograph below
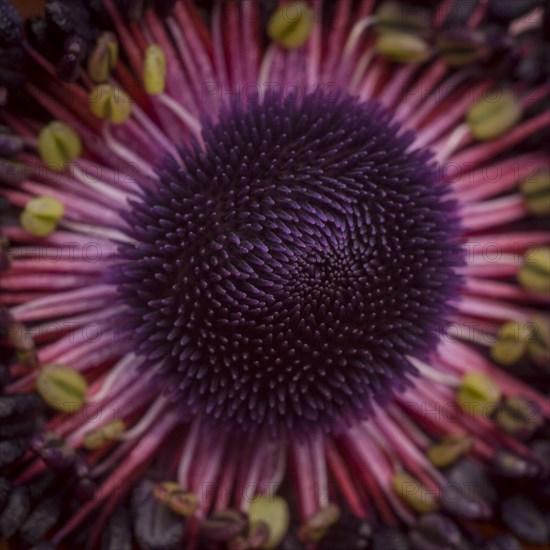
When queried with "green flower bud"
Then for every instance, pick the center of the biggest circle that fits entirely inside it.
(317, 525)
(478, 394)
(58, 145)
(538, 346)
(110, 103)
(414, 493)
(273, 511)
(394, 17)
(449, 450)
(459, 47)
(103, 58)
(41, 215)
(173, 495)
(536, 191)
(519, 417)
(490, 118)
(291, 24)
(96, 439)
(403, 48)
(154, 70)
(534, 276)
(62, 388)
(511, 343)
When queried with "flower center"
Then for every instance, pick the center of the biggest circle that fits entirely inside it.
(284, 273)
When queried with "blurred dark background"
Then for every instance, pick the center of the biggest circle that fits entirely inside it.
(30, 7)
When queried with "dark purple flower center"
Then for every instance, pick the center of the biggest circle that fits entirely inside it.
(283, 274)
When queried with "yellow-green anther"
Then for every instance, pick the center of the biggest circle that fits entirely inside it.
(414, 493)
(478, 394)
(103, 57)
(402, 18)
(272, 510)
(534, 275)
(511, 343)
(519, 417)
(460, 47)
(21, 339)
(317, 525)
(449, 450)
(291, 24)
(538, 347)
(173, 495)
(41, 215)
(96, 439)
(58, 145)
(493, 116)
(510, 465)
(110, 103)
(536, 191)
(62, 387)
(402, 47)
(154, 70)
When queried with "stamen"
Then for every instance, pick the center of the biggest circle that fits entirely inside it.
(491, 309)
(189, 448)
(63, 303)
(61, 387)
(139, 456)
(470, 158)
(41, 216)
(344, 480)
(459, 137)
(119, 370)
(452, 116)
(434, 374)
(101, 187)
(291, 24)
(154, 70)
(188, 120)
(95, 231)
(355, 34)
(150, 416)
(103, 57)
(126, 154)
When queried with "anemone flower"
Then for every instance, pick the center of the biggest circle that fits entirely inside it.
(275, 275)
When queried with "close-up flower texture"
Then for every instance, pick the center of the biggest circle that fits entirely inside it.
(275, 274)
